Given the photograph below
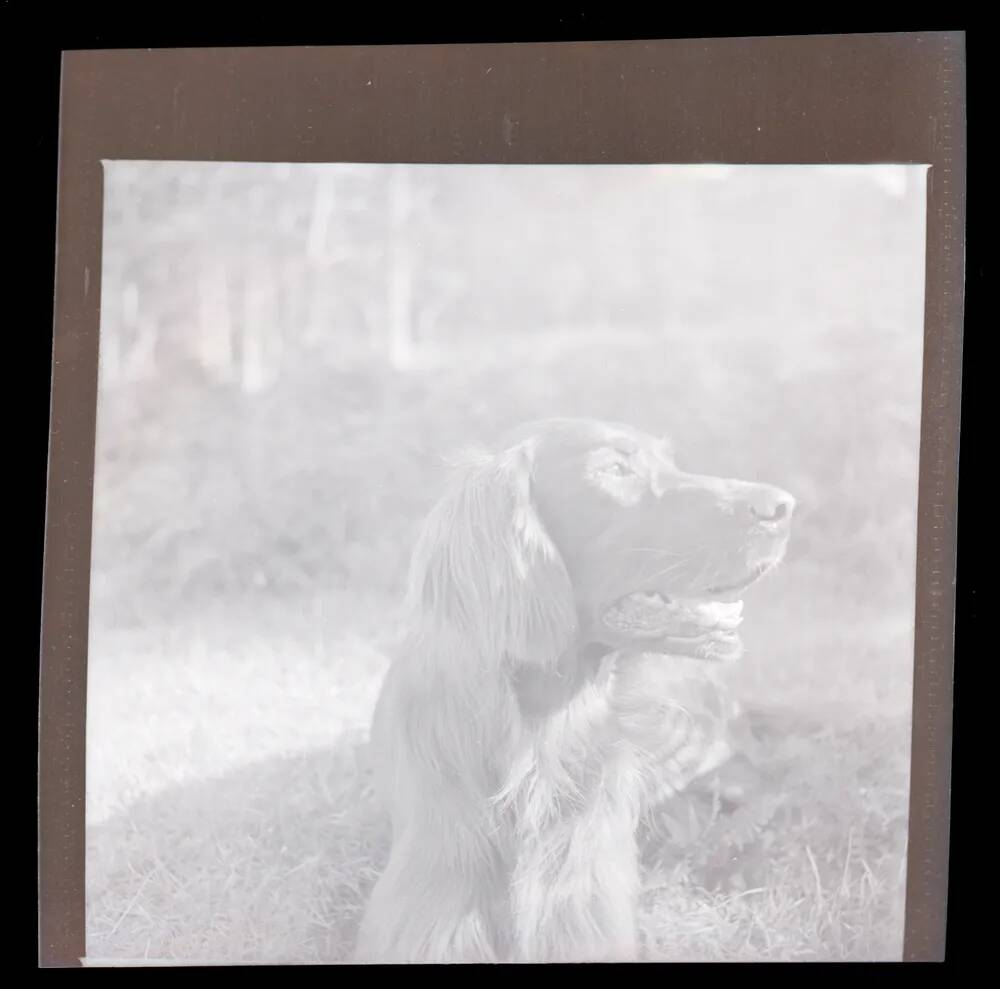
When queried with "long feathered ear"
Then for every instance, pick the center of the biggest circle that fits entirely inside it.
(485, 565)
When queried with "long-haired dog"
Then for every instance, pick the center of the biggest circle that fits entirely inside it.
(528, 715)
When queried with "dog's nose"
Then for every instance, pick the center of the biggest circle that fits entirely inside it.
(769, 504)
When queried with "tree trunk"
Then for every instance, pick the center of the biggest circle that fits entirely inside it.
(260, 337)
(400, 269)
(214, 346)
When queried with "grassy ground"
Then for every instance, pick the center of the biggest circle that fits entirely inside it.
(228, 830)
(271, 863)
(248, 552)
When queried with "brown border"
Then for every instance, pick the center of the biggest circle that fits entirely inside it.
(815, 99)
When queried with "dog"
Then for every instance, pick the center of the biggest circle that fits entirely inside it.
(528, 717)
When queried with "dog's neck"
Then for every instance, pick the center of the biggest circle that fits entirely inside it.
(540, 692)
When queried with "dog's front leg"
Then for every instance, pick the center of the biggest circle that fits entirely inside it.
(575, 888)
(425, 910)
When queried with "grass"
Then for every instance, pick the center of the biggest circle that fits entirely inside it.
(271, 863)
(810, 868)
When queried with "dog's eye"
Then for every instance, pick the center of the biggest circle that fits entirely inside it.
(612, 473)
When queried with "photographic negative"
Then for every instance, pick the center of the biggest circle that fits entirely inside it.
(503, 562)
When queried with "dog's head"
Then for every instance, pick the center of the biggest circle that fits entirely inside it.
(658, 556)
(588, 533)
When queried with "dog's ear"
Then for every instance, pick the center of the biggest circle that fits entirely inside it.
(486, 565)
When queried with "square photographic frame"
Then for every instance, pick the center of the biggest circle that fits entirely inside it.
(831, 99)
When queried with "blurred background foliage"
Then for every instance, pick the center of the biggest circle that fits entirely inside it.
(289, 354)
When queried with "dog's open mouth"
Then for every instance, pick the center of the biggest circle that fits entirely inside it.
(703, 625)
(732, 592)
